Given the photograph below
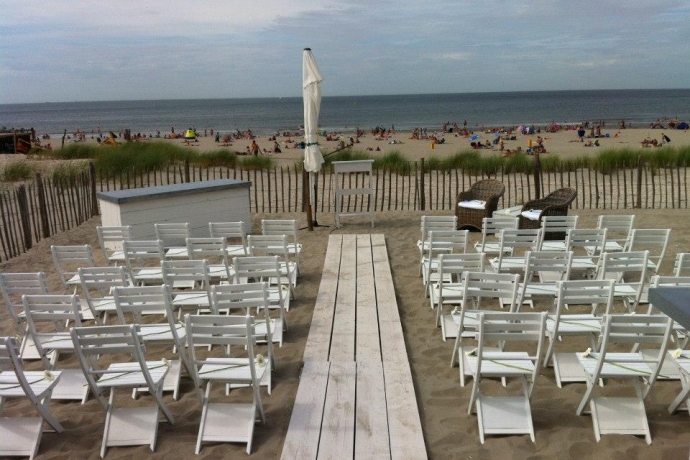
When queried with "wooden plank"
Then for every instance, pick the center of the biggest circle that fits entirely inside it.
(392, 341)
(338, 425)
(383, 279)
(404, 425)
(302, 439)
(319, 339)
(371, 421)
(343, 338)
(367, 342)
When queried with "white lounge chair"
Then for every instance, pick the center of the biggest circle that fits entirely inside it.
(543, 270)
(97, 284)
(173, 236)
(270, 245)
(506, 414)
(46, 316)
(509, 241)
(618, 230)
(133, 303)
(189, 284)
(554, 231)
(226, 422)
(110, 238)
(215, 251)
(492, 226)
(441, 242)
(431, 223)
(628, 270)
(143, 261)
(252, 299)
(124, 426)
(13, 287)
(653, 240)
(231, 231)
(287, 227)
(560, 325)
(265, 270)
(624, 415)
(681, 267)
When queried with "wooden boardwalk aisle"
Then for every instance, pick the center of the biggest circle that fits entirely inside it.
(355, 398)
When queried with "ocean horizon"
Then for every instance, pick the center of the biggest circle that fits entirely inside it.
(265, 116)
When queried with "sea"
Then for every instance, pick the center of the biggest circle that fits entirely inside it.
(266, 116)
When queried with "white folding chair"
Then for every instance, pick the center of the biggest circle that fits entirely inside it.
(133, 303)
(543, 270)
(215, 251)
(110, 238)
(226, 422)
(266, 270)
(653, 240)
(628, 270)
(492, 226)
(173, 236)
(618, 229)
(143, 261)
(554, 230)
(21, 436)
(124, 426)
(559, 325)
(13, 287)
(506, 414)
(479, 287)
(583, 242)
(681, 267)
(441, 242)
(510, 240)
(431, 223)
(252, 299)
(449, 291)
(269, 245)
(97, 284)
(189, 284)
(67, 259)
(287, 227)
(232, 232)
(46, 316)
(624, 415)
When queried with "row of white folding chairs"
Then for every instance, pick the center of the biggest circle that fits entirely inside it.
(132, 303)
(644, 364)
(189, 280)
(174, 235)
(142, 257)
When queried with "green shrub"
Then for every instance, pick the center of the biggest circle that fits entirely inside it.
(259, 163)
(221, 157)
(16, 171)
(68, 171)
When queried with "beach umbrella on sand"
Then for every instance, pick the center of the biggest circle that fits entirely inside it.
(311, 94)
(475, 137)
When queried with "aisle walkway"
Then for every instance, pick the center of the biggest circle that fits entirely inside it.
(355, 398)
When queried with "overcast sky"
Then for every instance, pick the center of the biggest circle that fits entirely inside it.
(79, 50)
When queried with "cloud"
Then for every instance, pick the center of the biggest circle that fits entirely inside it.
(86, 50)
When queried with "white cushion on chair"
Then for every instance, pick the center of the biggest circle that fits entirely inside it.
(532, 214)
(473, 204)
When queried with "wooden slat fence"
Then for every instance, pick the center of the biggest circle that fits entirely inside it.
(44, 206)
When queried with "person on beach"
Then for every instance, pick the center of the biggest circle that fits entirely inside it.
(254, 148)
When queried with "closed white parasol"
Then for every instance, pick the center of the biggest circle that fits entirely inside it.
(311, 93)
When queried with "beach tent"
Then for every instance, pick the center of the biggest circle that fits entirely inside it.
(683, 125)
(311, 94)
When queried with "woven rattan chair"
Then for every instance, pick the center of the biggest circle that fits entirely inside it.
(555, 204)
(489, 191)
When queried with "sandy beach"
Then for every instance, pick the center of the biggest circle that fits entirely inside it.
(448, 431)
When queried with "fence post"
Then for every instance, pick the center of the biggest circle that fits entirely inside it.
(92, 176)
(640, 163)
(186, 171)
(422, 198)
(24, 218)
(537, 177)
(42, 207)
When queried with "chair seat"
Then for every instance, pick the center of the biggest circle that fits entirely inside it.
(623, 365)
(230, 369)
(55, 341)
(38, 381)
(547, 289)
(452, 294)
(553, 246)
(149, 275)
(191, 299)
(177, 252)
(502, 364)
(609, 246)
(20, 436)
(509, 263)
(574, 324)
(130, 375)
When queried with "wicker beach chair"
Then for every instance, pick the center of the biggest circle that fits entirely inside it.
(555, 204)
(480, 201)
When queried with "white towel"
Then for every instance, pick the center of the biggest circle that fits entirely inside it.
(473, 204)
(532, 214)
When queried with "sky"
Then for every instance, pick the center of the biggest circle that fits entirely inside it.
(79, 50)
